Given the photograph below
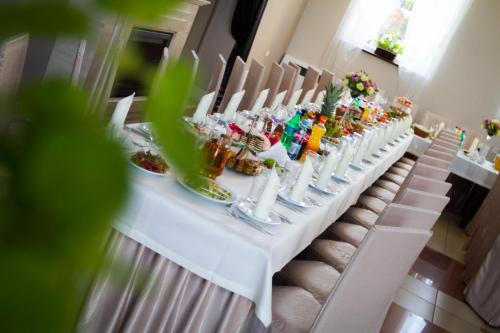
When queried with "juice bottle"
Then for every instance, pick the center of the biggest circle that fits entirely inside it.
(299, 139)
(291, 127)
(317, 133)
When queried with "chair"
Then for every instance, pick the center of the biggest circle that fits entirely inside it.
(273, 83)
(354, 233)
(429, 185)
(216, 80)
(438, 154)
(252, 85)
(320, 97)
(294, 310)
(407, 160)
(433, 161)
(325, 78)
(235, 82)
(310, 82)
(388, 185)
(444, 148)
(431, 171)
(366, 287)
(287, 82)
(294, 99)
(316, 277)
(77, 65)
(445, 144)
(298, 79)
(195, 65)
(12, 57)
(259, 102)
(369, 284)
(120, 114)
(347, 236)
(308, 97)
(424, 200)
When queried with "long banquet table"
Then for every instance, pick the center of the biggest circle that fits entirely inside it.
(199, 236)
(481, 174)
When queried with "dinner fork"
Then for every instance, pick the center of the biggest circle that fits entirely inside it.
(231, 212)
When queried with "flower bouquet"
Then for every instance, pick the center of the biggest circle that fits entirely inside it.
(492, 126)
(360, 84)
(388, 47)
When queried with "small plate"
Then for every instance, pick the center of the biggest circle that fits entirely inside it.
(345, 179)
(204, 195)
(306, 203)
(356, 167)
(151, 173)
(247, 208)
(328, 190)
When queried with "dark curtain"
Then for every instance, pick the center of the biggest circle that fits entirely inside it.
(246, 20)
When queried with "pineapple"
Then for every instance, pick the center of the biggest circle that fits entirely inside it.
(332, 96)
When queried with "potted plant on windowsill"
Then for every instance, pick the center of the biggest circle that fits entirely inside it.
(388, 47)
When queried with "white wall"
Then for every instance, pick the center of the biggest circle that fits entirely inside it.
(466, 87)
(275, 31)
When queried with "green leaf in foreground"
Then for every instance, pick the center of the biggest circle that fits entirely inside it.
(43, 19)
(65, 180)
(139, 9)
(165, 109)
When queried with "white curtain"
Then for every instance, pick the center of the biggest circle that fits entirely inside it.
(428, 34)
(427, 37)
(360, 24)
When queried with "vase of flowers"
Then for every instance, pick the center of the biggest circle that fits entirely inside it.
(388, 47)
(492, 127)
(359, 83)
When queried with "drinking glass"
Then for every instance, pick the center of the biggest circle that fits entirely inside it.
(290, 174)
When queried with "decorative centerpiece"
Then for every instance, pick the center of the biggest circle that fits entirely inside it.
(360, 84)
(388, 47)
(492, 127)
(332, 97)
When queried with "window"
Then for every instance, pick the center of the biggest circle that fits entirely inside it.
(425, 28)
(397, 21)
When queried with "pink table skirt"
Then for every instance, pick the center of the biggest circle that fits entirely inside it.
(137, 290)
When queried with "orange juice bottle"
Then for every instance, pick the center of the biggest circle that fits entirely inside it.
(317, 133)
(497, 162)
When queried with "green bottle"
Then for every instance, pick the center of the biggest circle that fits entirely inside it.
(291, 127)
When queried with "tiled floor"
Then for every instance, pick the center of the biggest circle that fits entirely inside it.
(431, 298)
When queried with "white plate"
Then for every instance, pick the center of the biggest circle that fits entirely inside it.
(328, 190)
(306, 203)
(344, 179)
(205, 196)
(246, 208)
(357, 167)
(151, 173)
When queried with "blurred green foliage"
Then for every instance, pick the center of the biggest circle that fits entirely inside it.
(62, 176)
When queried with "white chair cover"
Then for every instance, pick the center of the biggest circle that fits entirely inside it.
(365, 290)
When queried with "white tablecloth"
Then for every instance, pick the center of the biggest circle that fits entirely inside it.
(199, 235)
(481, 174)
(419, 145)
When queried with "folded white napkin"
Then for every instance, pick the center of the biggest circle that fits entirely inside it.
(268, 196)
(300, 187)
(202, 108)
(277, 153)
(328, 167)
